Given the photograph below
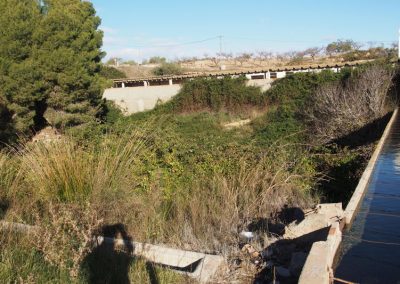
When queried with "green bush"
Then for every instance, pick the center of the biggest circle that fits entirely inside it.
(157, 60)
(168, 69)
(227, 94)
(109, 72)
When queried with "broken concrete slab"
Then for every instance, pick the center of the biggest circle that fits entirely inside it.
(199, 266)
(332, 210)
(324, 216)
(17, 227)
(310, 224)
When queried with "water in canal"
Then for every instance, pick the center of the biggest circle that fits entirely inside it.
(370, 250)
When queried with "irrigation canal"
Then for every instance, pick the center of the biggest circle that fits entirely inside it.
(370, 250)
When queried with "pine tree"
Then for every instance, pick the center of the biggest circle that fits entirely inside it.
(49, 64)
(20, 90)
(67, 45)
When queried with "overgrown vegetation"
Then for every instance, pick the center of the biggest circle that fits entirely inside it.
(175, 175)
(168, 69)
(218, 95)
(109, 72)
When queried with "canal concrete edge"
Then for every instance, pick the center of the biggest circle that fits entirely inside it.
(358, 194)
(318, 266)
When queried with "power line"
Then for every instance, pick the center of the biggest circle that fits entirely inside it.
(221, 37)
(177, 44)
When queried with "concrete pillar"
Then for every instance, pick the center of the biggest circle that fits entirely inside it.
(280, 74)
(146, 83)
(123, 85)
(268, 75)
(170, 82)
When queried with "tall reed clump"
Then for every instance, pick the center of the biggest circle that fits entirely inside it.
(59, 186)
(9, 176)
(65, 171)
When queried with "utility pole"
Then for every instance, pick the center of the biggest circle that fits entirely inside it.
(398, 48)
(220, 44)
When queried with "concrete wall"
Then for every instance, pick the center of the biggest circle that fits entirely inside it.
(264, 84)
(137, 99)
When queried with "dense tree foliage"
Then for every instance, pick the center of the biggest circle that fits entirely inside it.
(49, 63)
(168, 69)
(341, 46)
(109, 72)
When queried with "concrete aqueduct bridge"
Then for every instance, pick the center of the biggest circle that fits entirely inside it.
(141, 94)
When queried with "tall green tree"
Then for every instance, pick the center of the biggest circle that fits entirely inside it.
(67, 47)
(50, 53)
(20, 84)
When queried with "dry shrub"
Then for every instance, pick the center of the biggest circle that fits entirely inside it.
(337, 109)
(65, 235)
(216, 210)
(209, 215)
(62, 177)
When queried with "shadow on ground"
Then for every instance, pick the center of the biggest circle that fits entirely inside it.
(342, 175)
(109, 263)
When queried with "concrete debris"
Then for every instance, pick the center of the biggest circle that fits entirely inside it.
(254, 255)
(246, 236)
(325, 215)
(332, 210)
(200, 266)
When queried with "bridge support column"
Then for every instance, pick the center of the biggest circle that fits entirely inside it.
(123, 85)
(280, 74)
(170, 82)
(146, 83)
(268, 75)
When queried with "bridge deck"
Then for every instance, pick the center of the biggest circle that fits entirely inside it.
(155, 79)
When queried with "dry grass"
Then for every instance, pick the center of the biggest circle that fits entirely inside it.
(65, 235)
(52, 185)
(339, 108)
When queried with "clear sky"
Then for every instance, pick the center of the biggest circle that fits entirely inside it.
(137, 29)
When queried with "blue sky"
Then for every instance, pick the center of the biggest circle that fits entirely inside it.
(179, 28)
